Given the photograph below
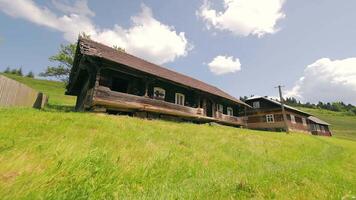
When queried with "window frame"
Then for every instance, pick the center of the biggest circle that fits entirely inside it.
(256, 104)
(292, 119)
(317, 127)
(322, 129)
(304, 121)
(220, 108)
(270, 118)
(160, 90)
(230, 111)
(177, 99)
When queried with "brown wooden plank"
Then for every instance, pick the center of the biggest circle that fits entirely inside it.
(116, 100)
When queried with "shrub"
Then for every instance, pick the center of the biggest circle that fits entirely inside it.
(30, 74)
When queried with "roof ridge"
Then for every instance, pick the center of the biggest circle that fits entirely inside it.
(200, 82)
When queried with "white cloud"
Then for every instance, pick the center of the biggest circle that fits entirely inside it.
(224, 65)
(327, 80)
(147, 37)
(244, 17)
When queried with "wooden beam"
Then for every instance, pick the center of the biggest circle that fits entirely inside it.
(213, 105)
(204, 106)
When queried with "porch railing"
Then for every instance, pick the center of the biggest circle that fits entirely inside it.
(229, 118)
(105, 97)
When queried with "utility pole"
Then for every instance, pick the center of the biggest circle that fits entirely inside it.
(283, 110)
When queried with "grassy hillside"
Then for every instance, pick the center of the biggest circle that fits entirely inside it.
(55, 155)
(54, 89)
(342, 124)
(66, 155)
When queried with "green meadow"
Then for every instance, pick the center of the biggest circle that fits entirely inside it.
(54, 89)
(59, 154)
(343, 125)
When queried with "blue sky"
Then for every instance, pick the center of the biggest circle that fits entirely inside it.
(308, 46)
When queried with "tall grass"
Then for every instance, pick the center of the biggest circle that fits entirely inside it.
(56, 155)
(51, 155)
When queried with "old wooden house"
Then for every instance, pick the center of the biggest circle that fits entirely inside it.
(266, 114)
(107, 80)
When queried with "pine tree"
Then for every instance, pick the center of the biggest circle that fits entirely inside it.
(7, 70)
(30, 74)
(19, 72)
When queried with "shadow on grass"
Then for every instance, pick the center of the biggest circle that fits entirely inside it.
(59, 108)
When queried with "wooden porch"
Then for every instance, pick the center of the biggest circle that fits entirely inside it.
(103, 96)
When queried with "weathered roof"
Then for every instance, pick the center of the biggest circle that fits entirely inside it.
(95, 49)
(277, 103)
(317, 120)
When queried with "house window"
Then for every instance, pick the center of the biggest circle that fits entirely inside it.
(180, 98)
(256, 104)
(292, 119)
(322, 128)
(304, 122)
(270, 118)
(159, 93)
(314, 127)
(220, 108)
(230, 111)
(317, 127)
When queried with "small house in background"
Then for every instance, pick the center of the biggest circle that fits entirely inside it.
(266, 114)
(107, 80)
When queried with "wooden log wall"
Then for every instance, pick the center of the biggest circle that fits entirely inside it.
(104, 97)
(122, 100)
(13, 93)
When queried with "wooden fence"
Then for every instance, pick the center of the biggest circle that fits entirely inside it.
(13, 93)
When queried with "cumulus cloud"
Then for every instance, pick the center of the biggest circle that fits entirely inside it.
(147, 37)
(327, 80)
(224, 65)
(244, 17)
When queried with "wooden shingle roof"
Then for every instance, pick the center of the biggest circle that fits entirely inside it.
(95, 49)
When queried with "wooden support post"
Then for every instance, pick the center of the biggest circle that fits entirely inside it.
(214, 109)
(199, 105)
(204, 106)
(146, 88)
(97, 79)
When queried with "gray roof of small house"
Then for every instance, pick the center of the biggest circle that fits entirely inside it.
(317, 120)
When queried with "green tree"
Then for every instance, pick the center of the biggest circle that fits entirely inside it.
(64, 62)
(30, 74)
(16, 71)
(353, 110)
(19, 72)
(7, 70)
(13, 71)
